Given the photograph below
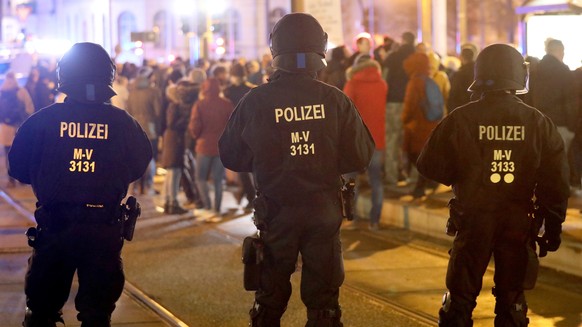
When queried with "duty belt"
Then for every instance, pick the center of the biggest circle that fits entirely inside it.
(83, 212)
(308, 199)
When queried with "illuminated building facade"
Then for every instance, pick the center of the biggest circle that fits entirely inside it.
(134, 30)
(187, 28)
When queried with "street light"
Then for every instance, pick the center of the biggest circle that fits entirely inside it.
(210, 8)
(185, 10)
(199, 44)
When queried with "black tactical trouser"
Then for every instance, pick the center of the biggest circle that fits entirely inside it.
(88, 242)
(503, 235)
(311, 229)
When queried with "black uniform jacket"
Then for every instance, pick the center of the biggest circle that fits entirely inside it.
(79, 153)
(497, 152)
(297, 135)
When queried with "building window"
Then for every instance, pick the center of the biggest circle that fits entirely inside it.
(161, 27)
(274, 16)
(226, 27)
(126, 24)
(232, 24)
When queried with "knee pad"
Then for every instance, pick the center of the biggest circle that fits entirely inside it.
(516, 316)
(32, 319)
(510, 309)
(454, 314)
(261, 316)
(324, 317)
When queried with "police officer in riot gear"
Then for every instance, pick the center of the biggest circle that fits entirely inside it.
(498, 154)
(297, 136)
(79, 156)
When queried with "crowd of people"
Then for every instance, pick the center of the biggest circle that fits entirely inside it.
(401, 107)
(177, 107)
(184, 110)
(167, 102)
(404, 66)
(18, 102)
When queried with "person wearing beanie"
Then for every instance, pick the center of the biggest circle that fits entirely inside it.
(239, 86)
(144, 102)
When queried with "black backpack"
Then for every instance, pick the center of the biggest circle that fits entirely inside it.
(12, 110)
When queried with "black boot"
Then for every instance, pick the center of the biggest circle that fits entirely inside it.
(324, 318)
(38, 320)
(174, 209)
(262, 316)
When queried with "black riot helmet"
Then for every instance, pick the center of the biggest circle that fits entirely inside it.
(500, 67)
(86, 73)
(298, 43)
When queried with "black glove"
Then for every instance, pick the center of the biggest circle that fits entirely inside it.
(552, 243)
(552, 221)
(548, 243)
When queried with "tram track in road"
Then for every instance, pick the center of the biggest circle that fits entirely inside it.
(544, 309)
(15, 229)
(556, 299)
(149, 302)
(390, 242)
(420, 317)
(440, 248)
(144, 300)
(134, 293)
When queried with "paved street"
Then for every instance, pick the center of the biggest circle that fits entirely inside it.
(394, 277)
(188, 267)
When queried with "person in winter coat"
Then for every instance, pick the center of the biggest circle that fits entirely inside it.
(197, 76)
(170, 82)
(121, 87)
(363, 45)
(335, 72)
(368, 90)
(397, 79)
(207, 121)
(37, 85)
(182, 97)
(552, 89)
(144, 103)
(439, 76)
(8, 130)
(239, 86)
(462, 79)
(416, 127)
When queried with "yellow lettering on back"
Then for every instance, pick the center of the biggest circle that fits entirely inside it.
(77, 154)
(88, 153)
(63, 128)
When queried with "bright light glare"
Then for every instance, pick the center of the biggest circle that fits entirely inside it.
(138, 44)
(171, 57)
(214, 7)
(5, 53)
(138, 51)
(561, 27)
(220, 51)
(51, 47)
(184, 7)
(220, 41)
